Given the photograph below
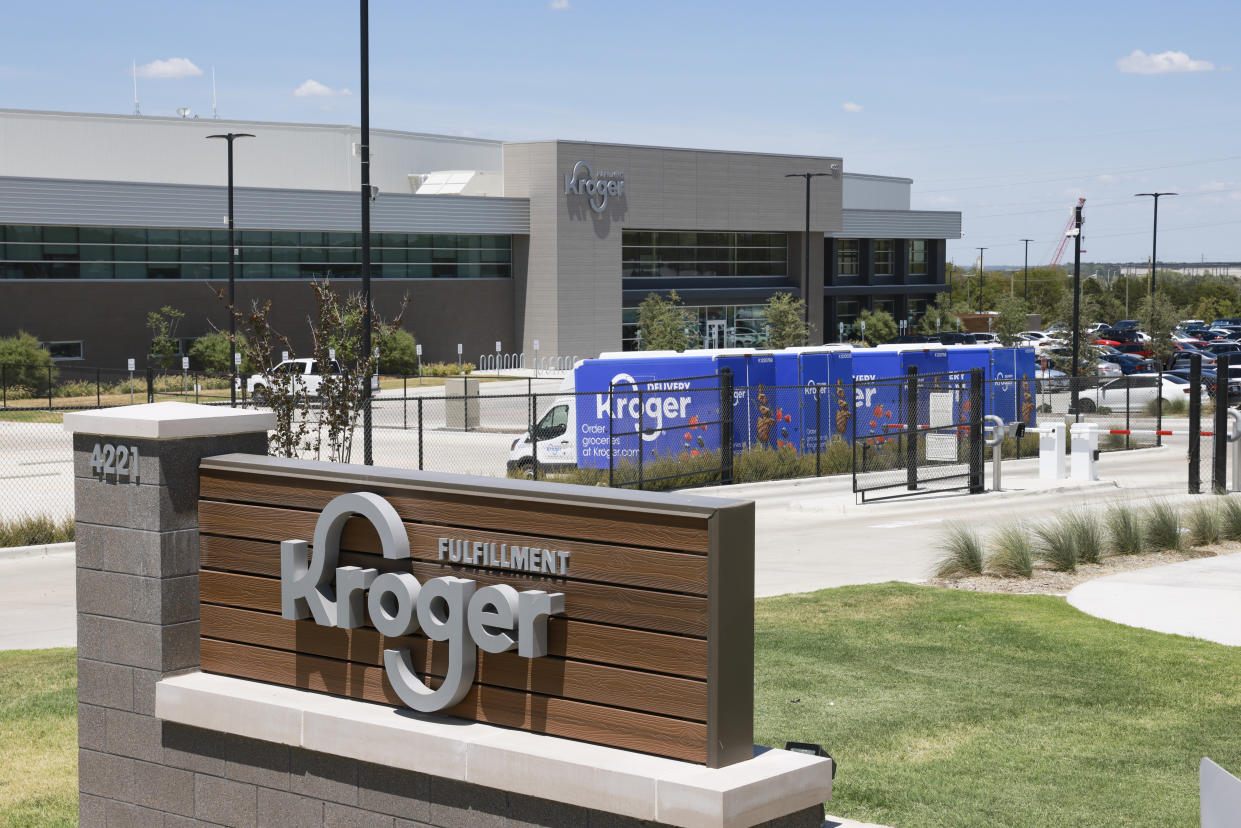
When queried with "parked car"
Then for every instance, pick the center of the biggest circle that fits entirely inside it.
(1107, 369)
(1228, 320)
(1222, 346)
(1134, 392)
(953, 338)
(1127, 324)
(1181, 358)
(912, 339)
(1210, 382)
(1128, 363)
(1051, 381)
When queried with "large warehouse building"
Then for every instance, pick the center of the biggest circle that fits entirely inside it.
(108, 217)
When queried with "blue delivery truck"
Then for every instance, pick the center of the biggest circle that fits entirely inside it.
(813, 382)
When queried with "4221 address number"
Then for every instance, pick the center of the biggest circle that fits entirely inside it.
(108, 459)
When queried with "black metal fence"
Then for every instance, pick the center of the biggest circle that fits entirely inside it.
(633, 437)
(920, 433)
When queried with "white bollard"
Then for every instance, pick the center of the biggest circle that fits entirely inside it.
(1084, 439)
(1052, 461)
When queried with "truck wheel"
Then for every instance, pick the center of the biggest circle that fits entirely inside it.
(526, 469)
(1085, 406)
(259, 395)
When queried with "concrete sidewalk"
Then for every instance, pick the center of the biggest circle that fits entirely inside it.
(1199, 598)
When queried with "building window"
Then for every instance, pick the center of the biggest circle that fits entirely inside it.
(718, 326)
(36, 252)
(887, 306)
(847, 311)
(883, 258)
(917, 308)
(846, 257)
(917, 257)
(688, 254)
(65, 350)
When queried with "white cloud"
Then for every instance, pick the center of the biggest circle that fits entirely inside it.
(171, 68)
(1141, 63)
(558, 5)
(314, 89)
(850, 106)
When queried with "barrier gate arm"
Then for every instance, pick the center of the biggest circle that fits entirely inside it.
(996, 441)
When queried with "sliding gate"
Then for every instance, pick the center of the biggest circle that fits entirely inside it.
(916, 434)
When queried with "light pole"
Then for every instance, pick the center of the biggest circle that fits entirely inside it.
(230, 137)
(806, 272)
(1154, 235)
(365, 152)
(980, 272)
(1025, 279)
(1077, 290)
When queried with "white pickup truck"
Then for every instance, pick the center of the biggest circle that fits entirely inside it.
(310, 377)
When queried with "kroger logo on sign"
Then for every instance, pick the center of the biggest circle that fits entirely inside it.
(598, 187)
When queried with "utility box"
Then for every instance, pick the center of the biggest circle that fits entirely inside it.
(1084, 443)
(461, 403)
(1052, 463)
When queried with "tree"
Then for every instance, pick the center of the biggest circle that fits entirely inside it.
(1010, 321)
(26, 363)
(786, 321)
(163, 326)
(664, 324)
(1159, 318)
(210, 353)
(398, 351)
(879, 327)
(939, 316)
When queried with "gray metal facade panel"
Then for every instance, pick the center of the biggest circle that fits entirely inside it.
(899, 224)
(129, 204)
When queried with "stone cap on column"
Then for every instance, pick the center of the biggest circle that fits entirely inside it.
(169, 421)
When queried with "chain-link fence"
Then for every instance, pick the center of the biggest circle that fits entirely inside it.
(666, 435)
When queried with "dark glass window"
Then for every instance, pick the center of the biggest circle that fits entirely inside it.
(63, 252)
(847, 257)
(917, 257)
(650, 253)
(883, 256)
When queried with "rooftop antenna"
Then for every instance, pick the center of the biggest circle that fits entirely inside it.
(137, 111)
(213, 112)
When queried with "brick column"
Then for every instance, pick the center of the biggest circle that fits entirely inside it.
(137, 593)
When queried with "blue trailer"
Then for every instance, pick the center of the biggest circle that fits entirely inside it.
(878, 398)
(813, 381)
(1009, 372)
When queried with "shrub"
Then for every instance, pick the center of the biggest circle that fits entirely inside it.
(1171, 408)
(1230, 519)
(445, 369)
(1204, 524)
(31, 531)
(1124, 530)
(1013, 555)
(1056, 545)
(398, 352)
(1162, 529)
(26, 364)
(960, 551)
(765, 463)
(1083, 527)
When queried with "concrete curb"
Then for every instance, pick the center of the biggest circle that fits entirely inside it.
(37, 551)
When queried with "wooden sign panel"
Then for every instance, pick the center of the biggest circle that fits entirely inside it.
(654, 649)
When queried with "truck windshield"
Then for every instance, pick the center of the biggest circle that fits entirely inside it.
(554, 422)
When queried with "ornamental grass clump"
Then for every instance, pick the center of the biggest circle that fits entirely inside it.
(1162, 528)
(1083, 526)
(1230, 519)
(1012, 553)
(960, 550)
(1204, 524)
(1124, 530)
(1056, 545)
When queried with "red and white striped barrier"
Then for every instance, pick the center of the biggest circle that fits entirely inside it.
(1160, 432)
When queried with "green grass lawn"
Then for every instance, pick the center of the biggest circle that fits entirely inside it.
(956, 708)
(943, 707)
(38, 737)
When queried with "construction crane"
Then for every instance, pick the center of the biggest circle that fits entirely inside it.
(1064, 236)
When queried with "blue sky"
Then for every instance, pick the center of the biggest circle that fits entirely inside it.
(1004, 113)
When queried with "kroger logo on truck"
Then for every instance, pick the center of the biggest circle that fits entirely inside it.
(648, 410)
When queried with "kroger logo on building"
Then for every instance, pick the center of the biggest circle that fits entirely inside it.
(598, 187)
